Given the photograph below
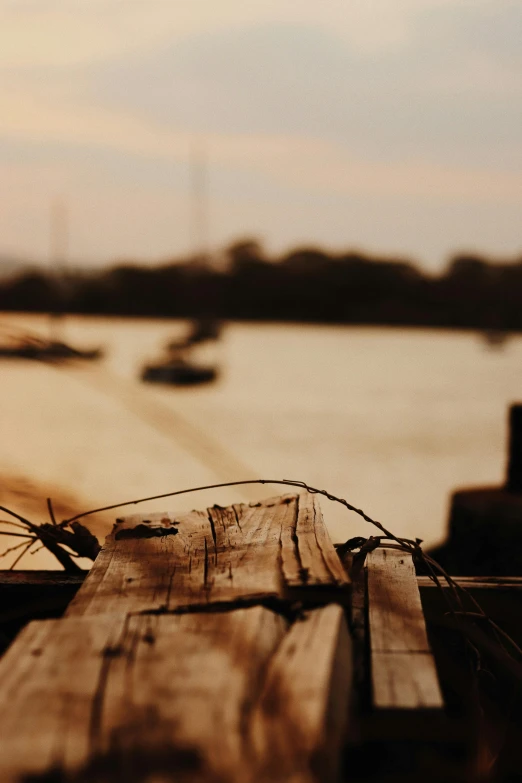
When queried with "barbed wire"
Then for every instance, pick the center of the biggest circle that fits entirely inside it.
(70, 539)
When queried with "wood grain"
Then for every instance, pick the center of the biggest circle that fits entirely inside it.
(274, 550)
(404, 675)
(48, 681)
(299, 723)
(226, 696)
(405, 681)
(185, 657)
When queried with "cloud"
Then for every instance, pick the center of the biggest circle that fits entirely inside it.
(450, 91)
(54, 32)
(442, 95)
(40, 32)
(295, 105)
(128, 147)
(389, 100)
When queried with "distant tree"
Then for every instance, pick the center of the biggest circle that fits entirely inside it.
(33, 291)
(244, 253)
(307, 260)
(468, 267)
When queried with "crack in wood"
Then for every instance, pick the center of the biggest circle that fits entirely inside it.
(213, 532)
(289, 609)
(303, 572)
(174, 664)
(205, 566)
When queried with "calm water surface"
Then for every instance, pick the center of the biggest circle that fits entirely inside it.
(393, 420)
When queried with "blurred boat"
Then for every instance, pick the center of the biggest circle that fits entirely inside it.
(20, 344)
(179, 372)
(496, 338)
(203, 329)
(179, 368)
(25, 345)
(44, 350)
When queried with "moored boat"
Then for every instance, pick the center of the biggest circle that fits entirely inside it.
(40, 349)
(179, 372)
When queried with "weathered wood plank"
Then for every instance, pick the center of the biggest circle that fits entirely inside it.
(396, 619)
(39, 579)
(477, 582)
(48, 681)
(160, 672)
(404, 674)
(405, 681)
(311, 560)
(227, 696)
(276, 549)
(299, 722)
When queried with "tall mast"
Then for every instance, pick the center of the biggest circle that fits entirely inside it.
(206, 323)
(199, 203)
(58, 248)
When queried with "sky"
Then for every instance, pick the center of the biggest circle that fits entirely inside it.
(388, 126)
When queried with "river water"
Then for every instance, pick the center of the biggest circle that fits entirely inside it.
(391, 419)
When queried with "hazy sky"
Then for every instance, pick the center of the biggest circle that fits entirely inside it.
(389, 125)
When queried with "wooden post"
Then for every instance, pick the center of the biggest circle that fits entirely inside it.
(514, 472)
(209, 646)
(485, 523)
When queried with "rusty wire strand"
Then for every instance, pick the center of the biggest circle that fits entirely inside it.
(412, 547)
(16, 546)
(283, 482)
(493, 624)
(51, 511)
(22, 554)
(50, 538)
(17, 516)
(14, 535)
(408, 545)
(13, 524)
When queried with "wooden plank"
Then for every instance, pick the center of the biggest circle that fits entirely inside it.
(299, 723)
(395, 611)
(48, 679)
(39, 579)
(227, 696)
(274, 550)
(405, 681)
(477, 582)
(311, 560)
(404, 674)
(159, 671)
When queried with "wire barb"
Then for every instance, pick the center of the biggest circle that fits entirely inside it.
(77, 538)
(51, 511)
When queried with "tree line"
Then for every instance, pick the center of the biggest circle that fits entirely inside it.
(306, 284)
